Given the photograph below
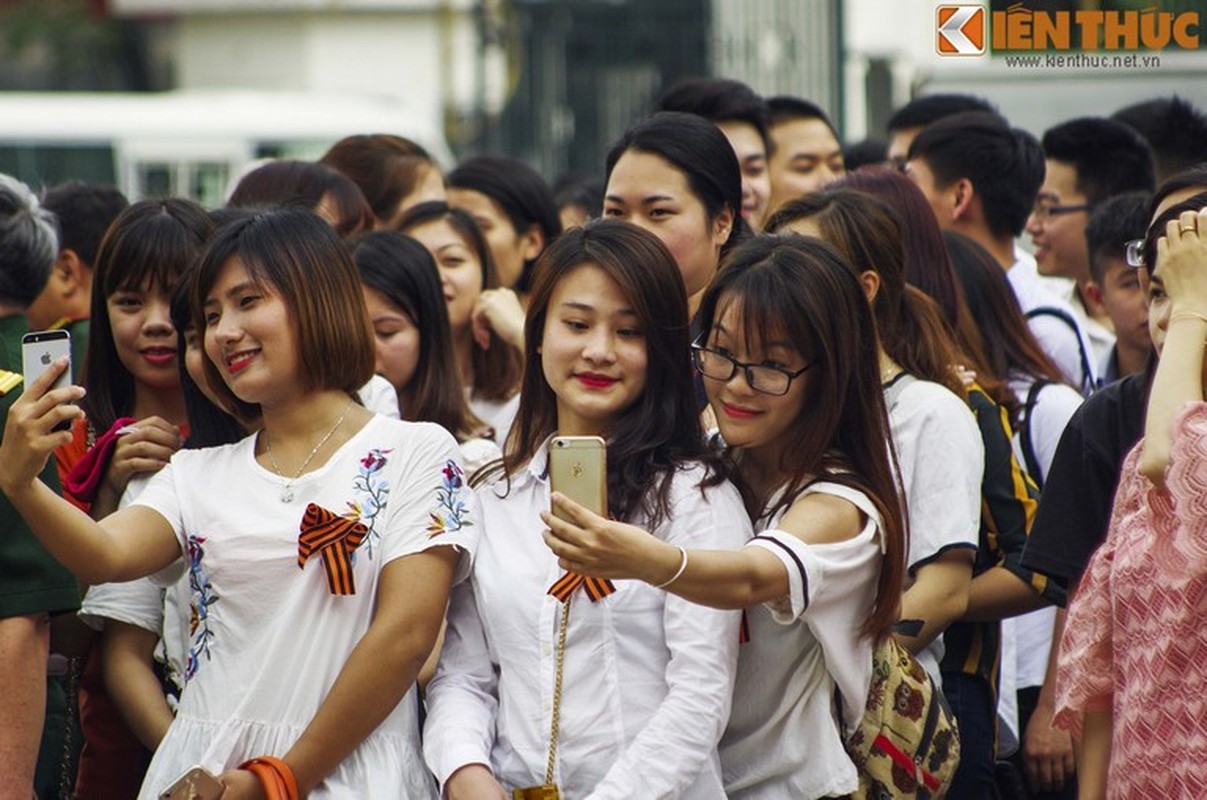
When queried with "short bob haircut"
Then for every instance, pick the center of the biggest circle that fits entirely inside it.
(152, 243)
(800, 289)
(296, 255)
(521, 194)
(404, 273)
(385, 167)
(305, 184)
(661, 430)
(699, 150)
(496, 370)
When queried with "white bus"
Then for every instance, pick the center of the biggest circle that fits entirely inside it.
(186, 143)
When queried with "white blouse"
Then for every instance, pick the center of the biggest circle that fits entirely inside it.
(785, 737)
(648, 677)
(941, 459)
(269, 636)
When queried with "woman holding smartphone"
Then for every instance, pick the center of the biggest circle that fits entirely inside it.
(319, 551)
(602, 690)
(789, 357)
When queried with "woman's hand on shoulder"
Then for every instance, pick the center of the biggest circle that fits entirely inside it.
(146, 447)
(29, 430)
(473, 782)
(589, 544)
(818, 518)
(498, 310)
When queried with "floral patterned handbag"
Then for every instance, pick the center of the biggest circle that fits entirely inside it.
(906, 744)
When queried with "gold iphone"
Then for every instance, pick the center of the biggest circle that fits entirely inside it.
(578, 468)
(195, 784)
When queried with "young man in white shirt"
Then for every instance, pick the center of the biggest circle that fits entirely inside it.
(1088, 160)
(982, 177)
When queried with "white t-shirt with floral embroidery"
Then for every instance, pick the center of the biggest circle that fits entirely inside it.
(268, 638)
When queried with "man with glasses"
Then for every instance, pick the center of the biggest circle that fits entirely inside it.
(981, 178)
(1087, 161)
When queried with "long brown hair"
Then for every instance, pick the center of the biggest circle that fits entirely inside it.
(403, 272)
(659, 432)
(497, 369)
(801, 290)
(1010, 347)
(869, 235)
(152, 242)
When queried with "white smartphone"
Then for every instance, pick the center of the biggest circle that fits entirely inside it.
(578, 468)
(39, 350)
(195, 784)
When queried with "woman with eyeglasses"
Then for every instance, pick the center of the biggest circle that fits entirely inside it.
(790, 365)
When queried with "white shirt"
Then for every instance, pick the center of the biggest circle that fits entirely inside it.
(498, 414)
(1054, 406)
(941, 458)
(1062, 343)
(379, 396)
(784, 738)
(1102, 338)
(648, 677)
(269, 637)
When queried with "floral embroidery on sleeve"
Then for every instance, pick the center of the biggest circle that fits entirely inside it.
(202, 597)
(451, 513)
(372, 496)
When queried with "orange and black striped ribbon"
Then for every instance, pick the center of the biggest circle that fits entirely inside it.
(336, 538)
(596, 588)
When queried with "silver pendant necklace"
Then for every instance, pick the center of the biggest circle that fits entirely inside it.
(287, 489)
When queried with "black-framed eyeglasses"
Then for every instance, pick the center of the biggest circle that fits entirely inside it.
(1045, 211)
(1133, 253)
(760, 377)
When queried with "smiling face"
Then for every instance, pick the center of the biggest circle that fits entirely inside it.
(650, 192)
(250, 338)
(143, 336)
(748, 419)
(396, 338)
(751, 151)
(460, 269)
(593, 352)
(806, 157)
(1059, 239)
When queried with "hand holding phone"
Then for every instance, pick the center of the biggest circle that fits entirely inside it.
(39, 352)
(578, 469)
(195, 784)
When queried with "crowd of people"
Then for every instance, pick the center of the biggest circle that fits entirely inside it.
(292, 520)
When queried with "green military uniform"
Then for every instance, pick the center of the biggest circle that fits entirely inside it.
(31, 580)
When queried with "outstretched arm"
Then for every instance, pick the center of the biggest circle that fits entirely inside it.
(592, 545)
(95, 552)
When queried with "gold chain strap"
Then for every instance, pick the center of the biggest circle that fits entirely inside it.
(559, 662)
